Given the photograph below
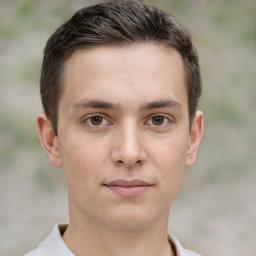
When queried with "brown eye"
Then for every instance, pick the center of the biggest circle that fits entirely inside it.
(96, 120)
(158, 120)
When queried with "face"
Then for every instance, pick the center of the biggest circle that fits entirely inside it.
(123, 134)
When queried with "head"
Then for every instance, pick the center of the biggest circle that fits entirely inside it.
(120, 85)
(119, 23)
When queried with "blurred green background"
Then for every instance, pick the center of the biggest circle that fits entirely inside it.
(215, 213)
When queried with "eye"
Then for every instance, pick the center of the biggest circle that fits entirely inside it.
(96, 120)
(158, 120)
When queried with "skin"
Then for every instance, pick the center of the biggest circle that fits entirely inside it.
(123, 115)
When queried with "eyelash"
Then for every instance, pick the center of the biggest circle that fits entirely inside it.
(166, 120)
(88, 120)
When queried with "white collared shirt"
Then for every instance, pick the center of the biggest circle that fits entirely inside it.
(54, 245)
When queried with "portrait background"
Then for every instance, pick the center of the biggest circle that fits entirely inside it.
(214, 213)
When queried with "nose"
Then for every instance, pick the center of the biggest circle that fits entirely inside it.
(128, 146)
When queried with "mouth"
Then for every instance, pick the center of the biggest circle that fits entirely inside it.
(128, 188)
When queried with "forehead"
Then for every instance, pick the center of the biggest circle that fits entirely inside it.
(144, 70)
(149, 57)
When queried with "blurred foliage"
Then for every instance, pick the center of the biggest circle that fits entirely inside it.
(25, 16)
(224, 33)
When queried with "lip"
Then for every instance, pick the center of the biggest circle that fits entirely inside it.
(128, 188)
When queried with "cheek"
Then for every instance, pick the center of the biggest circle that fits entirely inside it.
(83, 160)
(171, 150)
(81, 149)
(169, 158)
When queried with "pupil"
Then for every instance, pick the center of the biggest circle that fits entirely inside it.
(158, 120)
(96, 120)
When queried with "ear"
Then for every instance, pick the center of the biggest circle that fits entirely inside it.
(48, 139)
(195, 136)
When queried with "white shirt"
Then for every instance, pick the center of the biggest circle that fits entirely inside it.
(54, 245)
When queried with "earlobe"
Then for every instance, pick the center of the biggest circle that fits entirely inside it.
(195, 136)
(48, 139)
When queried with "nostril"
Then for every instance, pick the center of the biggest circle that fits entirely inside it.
(138, 162)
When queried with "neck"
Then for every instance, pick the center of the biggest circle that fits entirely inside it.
(85, 236)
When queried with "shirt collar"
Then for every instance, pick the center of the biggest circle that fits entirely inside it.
(55, 245)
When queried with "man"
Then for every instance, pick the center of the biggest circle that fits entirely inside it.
(120, 84)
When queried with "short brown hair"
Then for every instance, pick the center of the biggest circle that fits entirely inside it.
(119, 23)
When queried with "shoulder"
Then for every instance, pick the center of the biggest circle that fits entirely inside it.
(180, 251)
(33, 253)
(191, 253)
(53, 245)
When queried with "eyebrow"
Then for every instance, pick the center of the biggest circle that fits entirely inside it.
(160, 104)
(94, 104)
(107, 105)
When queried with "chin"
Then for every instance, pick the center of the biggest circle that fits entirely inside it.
(129, 224)
(130, 220)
